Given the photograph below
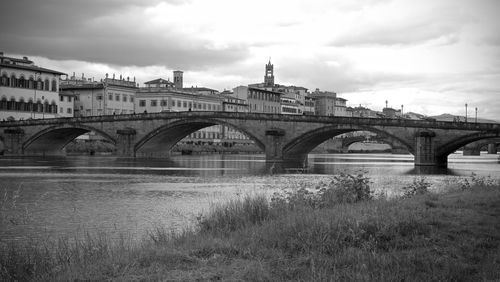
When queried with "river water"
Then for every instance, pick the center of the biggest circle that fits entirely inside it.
(49, 198)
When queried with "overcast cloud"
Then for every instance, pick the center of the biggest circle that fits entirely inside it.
(430, 56)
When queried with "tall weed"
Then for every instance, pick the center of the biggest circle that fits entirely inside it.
(343, 188)
(419, 186)
(236, 213)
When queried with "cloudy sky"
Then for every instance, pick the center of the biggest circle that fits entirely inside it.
(432, 56)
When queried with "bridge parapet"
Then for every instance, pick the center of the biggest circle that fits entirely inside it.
(282, 137)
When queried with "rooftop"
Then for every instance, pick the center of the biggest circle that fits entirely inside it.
(159, 81)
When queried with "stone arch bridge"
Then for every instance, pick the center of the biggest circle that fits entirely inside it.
(283, 138)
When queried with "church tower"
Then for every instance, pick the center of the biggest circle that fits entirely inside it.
(178, 83)
(269, 77)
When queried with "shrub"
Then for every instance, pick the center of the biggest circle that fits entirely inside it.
(343, 188)
(346, 188)
(477, 181)
(419, 186)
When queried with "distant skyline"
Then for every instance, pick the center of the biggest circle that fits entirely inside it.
(430, 56)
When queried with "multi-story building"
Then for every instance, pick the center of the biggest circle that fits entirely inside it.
(259, 100)
(109, 96)
(233, 104)
(164, 98)
(309, 106)
(290, 106)
(294, 95)
(28, 91)
(391, 113)
(328, 104)
(362, 112)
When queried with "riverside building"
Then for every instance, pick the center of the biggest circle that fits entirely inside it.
(28, 91)
(292, 98)
(160, 95)
(231, 136)
(328, 104)
(109, 96)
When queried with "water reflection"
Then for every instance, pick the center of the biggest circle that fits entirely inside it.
(50, 197)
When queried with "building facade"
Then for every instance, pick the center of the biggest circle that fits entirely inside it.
(109, 96)
(166, 99)
(28, 91)
(259, 100)
(328, 104)
(236, 105)
(292, 97)
(362, 112)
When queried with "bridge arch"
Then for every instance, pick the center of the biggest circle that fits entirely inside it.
(458, 143)
(51, 140)
(163, 138)
(299, 147)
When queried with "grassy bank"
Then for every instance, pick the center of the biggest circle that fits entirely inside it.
(328, 234)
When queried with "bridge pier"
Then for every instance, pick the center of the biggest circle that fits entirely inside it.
(13, 141)
(276, 161)
(492, 148)
(274, 145)
(425, 153)
(125, 142)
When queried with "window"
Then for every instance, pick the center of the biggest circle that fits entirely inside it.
(131, 99)
(117, 97)
(54, 85)
(69, 98)
(154, 103)
(5, 80)
(163, 103)
(98, 97)
(21, 82)
(124, 98)
(69, 111)
(61, 98)
(178, 103)
(61, 110)
(142, 103)
(184, 104)
(46, 85)
(110, 97)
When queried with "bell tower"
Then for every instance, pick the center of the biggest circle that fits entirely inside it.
(269, 77)
(178, 83)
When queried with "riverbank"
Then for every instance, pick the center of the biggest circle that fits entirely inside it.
(449, 236)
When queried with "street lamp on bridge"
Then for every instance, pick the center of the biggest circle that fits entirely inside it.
(476, 115)
(465, 112)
